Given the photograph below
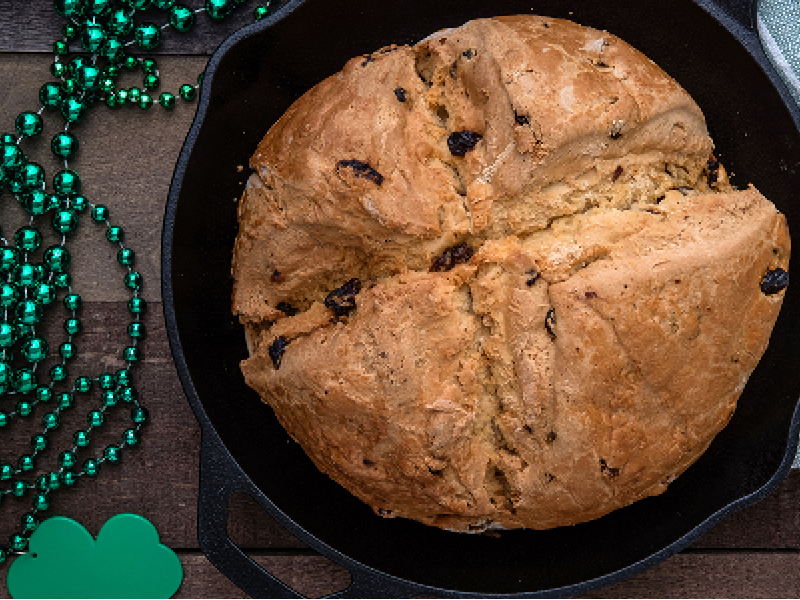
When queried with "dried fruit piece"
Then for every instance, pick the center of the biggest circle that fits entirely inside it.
(461, 142)
(451, 257)
(342, 300)
(774, 281)
(360, 169)
(276, 350)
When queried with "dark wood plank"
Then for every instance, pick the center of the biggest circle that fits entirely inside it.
(33, 26)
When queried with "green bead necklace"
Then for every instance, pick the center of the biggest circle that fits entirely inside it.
(32, 277)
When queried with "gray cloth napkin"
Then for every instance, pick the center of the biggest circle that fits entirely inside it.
(778, 24)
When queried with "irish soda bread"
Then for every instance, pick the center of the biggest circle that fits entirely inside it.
(498, 279)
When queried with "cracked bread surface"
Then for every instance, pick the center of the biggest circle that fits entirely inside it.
(599, 310)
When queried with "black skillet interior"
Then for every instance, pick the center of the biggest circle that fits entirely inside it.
(252, 84)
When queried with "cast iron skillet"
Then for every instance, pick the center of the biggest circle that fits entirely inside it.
(253, 77)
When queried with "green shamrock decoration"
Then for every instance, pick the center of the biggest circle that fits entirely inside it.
(126, 561)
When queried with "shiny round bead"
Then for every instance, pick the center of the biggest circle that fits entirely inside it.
(100, 213)
(3, 553)
(5, 372)
(40, 501)
(79, 203)
(67, 459)
(72, 301)
(122, 377)
(11, 157)
(9, 258)
(120, 22)
(60, 48)
(65, 400)
(136, 329)
(29, 522)
(53, 481)
(67, 183)
(97, 8)
(62, 280)
(50, 95)
(6, 472)
(95, 418)
(58, 372)
(261, 12)
(181, 18)
(163, 4)
(187, 92)
(149, 66)
(145, 101)
(69, 31)
(58, 69)
(133, 280)
(28, 275)
(128, 394)
(82, 438)
(93, 37)
(76, 63)
(151, 81)
(219, 9)
(39, 442)
(131, 354)
(35, 202)
(24, 408)
(44, 394)
(57, 258)
(51, 420)
(9, 295)
(139, 415)
(88, 78)
(137, 4)
(30, 176)
(28, 312)
(69, 478)
(17, 542)
(107, 85)
(25, 463)
(106, 381)
(110, 398)
(69, 86)
(130, 437)
(126, 257)
(27, 238)
(24, 381)
(28, 124)
(137, 305)
(131, 63)
(64, 144)
(8, 335)
(72, 326)
(83, 384)
(112, 454)
(66, 350)
(35, 350)
(65, 221)
(112, 100)
(91, 467)
(113, 51)
(147, 36)
(73, 110)
(134, 94)
(69, 8)
(166, 100)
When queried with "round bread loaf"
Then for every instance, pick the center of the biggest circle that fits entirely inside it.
(497, 279)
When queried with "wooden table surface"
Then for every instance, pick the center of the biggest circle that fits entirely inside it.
(126, 160)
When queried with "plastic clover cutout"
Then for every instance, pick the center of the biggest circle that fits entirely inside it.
(65, 561)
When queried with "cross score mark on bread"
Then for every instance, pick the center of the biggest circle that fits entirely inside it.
(559, 295)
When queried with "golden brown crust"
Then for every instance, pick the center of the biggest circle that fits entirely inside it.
(598, 325)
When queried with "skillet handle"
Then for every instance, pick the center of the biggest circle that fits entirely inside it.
(220, 478)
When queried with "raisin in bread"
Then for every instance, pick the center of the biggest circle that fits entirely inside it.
(497, 279)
